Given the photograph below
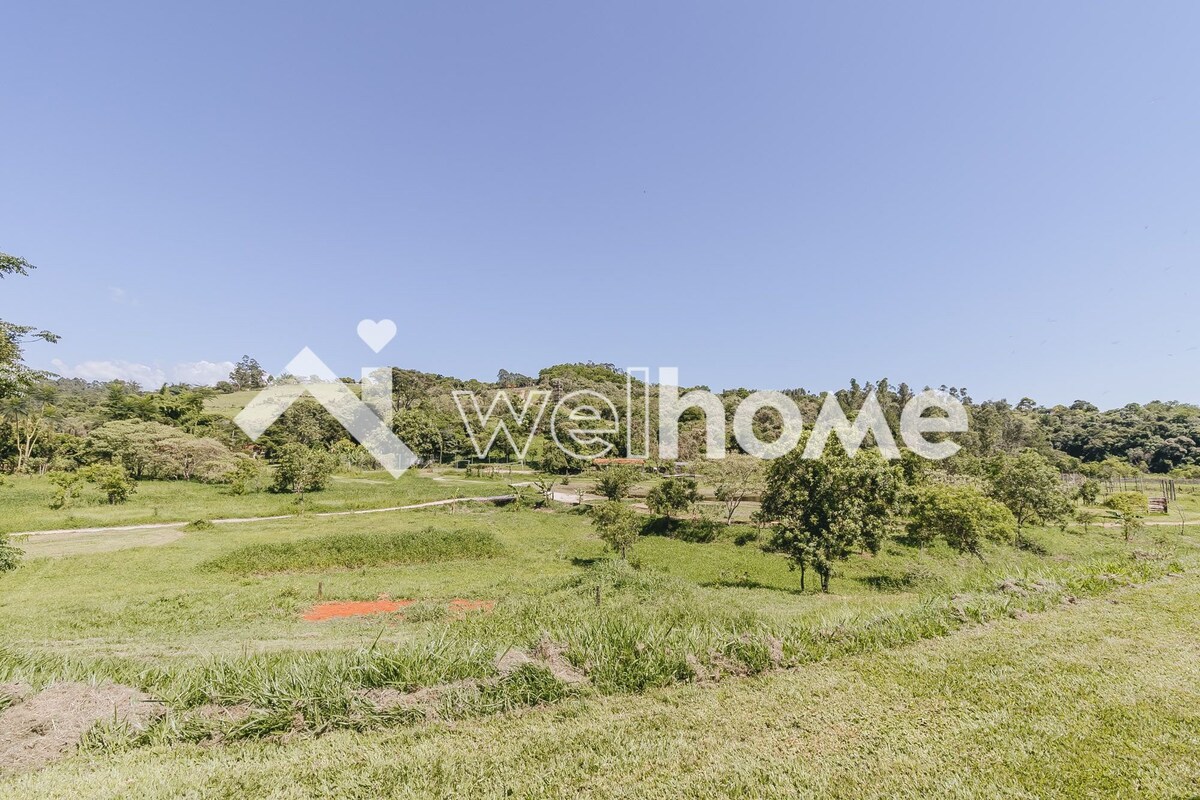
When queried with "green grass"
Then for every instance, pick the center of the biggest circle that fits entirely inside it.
(215, 615)
(229, 405)
(1096, 699)
(25, 500)
(350, 551)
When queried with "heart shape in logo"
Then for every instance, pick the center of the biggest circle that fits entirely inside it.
(377, 334)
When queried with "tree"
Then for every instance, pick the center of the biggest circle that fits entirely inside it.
(112, 480)
(1086, 518)
(961, 515)
(513, 380)
(1031, 488)
(154, 450)
(14, 375)
(28, 415)
(248, 374)
(672, 495)
(615, 482)
(419, 432)
(302, 469)
(1130, 508)
(1088, 491)
(14, 265)
(734, 478)
(617, 524)
(823, 509)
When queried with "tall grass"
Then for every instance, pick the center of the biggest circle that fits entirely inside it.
(349, 551)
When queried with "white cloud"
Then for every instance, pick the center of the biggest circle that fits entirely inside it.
(202, 373)
(120, 296)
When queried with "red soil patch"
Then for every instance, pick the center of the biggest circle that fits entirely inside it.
(341, 609)
(354, 608)
(463, 606)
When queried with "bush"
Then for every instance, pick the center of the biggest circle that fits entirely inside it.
(245, 478)
(697, 531)
(1129, 508)
(67, 487)
(617, 525)
(112, 480)
(10, 556)
(672, 495)
(303, 469)
(615, 482)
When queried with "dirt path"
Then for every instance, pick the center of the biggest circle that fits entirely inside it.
(502, 498)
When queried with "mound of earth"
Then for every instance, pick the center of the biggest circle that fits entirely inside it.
(50, 724)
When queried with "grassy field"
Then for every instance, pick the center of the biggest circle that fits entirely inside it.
(1100, 699)
(215, 617)
(25, 500)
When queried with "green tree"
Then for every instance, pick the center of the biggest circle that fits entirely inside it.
(302, 469)
(615, 482)
(734, 479)
(961, 515)
(14, 375)
(823, 509)
(617, 524)
(1086, 519)
(248, 374)
(1088, 491)
(154, 450)
(1130, 509)
(419, 432)
(671, 496)
(112, 480)
(1031, 488)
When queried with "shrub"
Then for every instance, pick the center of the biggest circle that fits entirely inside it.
(1088, 491)
(1129, 508)
(246, 477)
(672, 495)
(302, 469)
(963, 516)
(112, 480)
(617, 525)
(10, 556)
(67, 487)
(615, 482)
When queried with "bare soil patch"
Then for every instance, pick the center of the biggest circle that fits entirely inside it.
(50, 725)
(342, 609)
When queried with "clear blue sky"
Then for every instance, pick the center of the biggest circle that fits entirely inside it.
(769, 195)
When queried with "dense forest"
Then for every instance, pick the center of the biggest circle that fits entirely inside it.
(173, 432)
(62, 425)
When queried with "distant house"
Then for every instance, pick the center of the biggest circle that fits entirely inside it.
(613, 462)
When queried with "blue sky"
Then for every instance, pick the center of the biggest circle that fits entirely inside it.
(770, 195)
